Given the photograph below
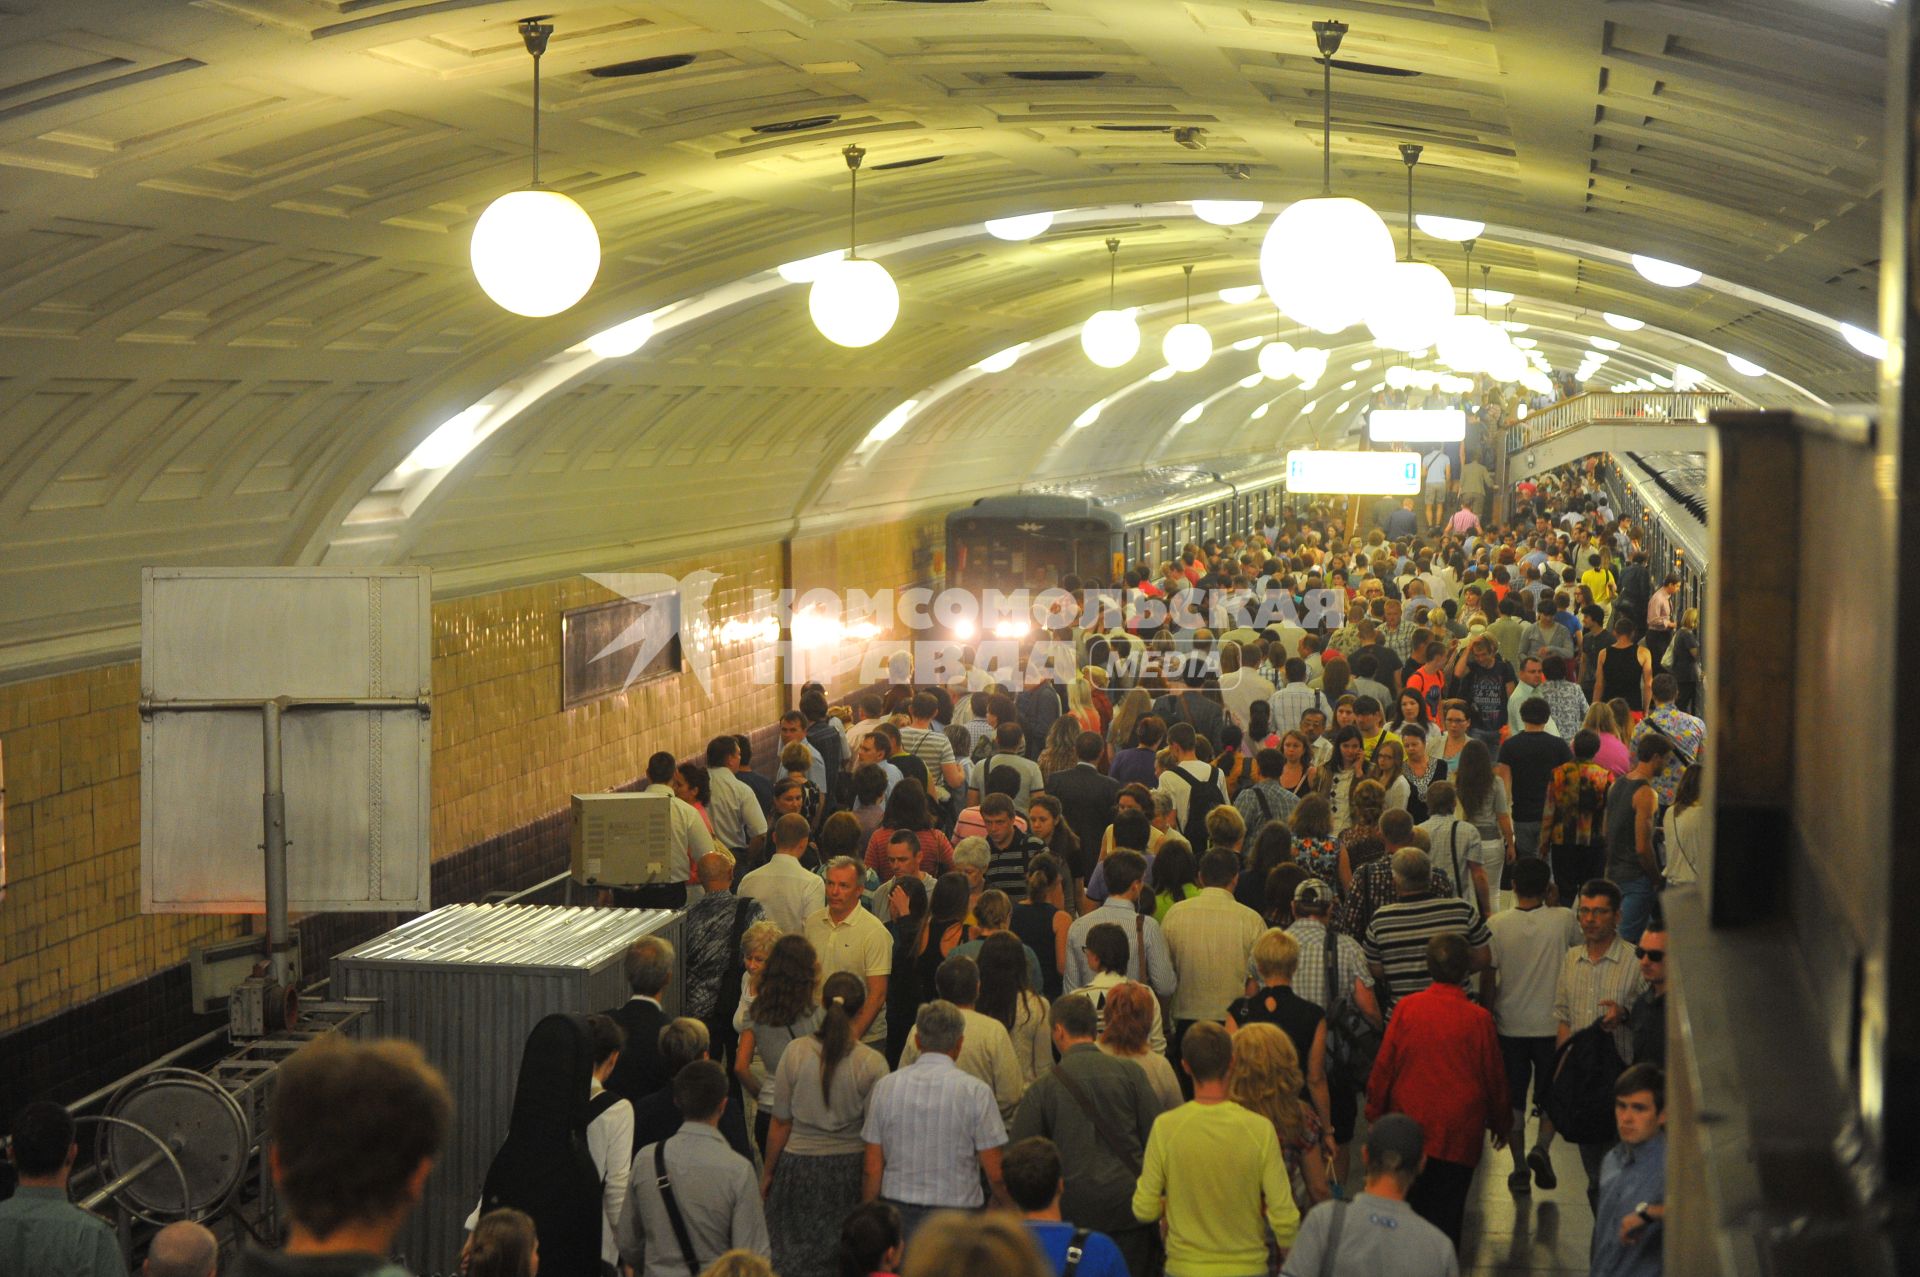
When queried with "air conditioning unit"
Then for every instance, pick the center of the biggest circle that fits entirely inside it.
(625, 840)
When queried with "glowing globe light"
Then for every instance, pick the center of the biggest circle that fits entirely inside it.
(1227, 212)
(1464, 343)
(1322, 260)
(1014, 229)
(1110, 337)
(1455, 229)
(1187, 347)
(1309, 364)
(1399, 376)
(535, 252)
(1665, 274)
(1411, 302)
(854, 302)
(1276, 360)
(1505, 362)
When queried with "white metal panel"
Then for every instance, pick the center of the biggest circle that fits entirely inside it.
(356, 781)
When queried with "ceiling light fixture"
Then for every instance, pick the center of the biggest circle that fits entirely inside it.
(1450, 228)
(1187, 345)
(1227, 212)
(1665, 274)
(853, 301)
(1002, 360)
(1745, 367)
(535, 252)
(1870, 344)
(1322, 257)
(1024, 226)
(1111, 337)
(1622, 322)
(1412, 300)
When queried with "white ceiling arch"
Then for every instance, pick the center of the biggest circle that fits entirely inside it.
(232, 240)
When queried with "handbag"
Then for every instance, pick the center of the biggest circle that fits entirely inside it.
(1352, 1039)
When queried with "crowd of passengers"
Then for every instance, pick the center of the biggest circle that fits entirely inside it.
(1103, 976)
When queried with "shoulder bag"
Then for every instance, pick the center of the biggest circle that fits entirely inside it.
(1101, 1130)
(664, 1183)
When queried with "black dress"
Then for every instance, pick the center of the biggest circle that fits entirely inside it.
(544, 1168)
(1287, 1011)
(1033, 923)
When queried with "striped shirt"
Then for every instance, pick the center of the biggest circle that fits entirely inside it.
(1585, 984)
(1397, 938)
(932, 1121)
(932, 748)
(1293, 700)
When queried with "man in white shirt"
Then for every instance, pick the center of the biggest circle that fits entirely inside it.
(1240, 684)
(872, 750)
(690, 839)
(1439, 474)
(1529, 945)
(848, 938)
(738, 822)
(785, 889)
(1149, 960)
(793, 730)
(1211, 936)
(1180, 744)
(609, 1132)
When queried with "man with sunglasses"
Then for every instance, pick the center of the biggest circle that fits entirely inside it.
(1648, 1019)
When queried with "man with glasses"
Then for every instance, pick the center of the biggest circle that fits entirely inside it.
(1648, 1019)
(1599, 981)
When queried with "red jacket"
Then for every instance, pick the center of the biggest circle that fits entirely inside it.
(1440, 1065)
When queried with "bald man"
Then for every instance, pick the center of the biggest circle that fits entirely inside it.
(182, 1249)
(715, 922)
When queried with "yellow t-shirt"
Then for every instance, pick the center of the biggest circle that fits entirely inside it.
(1600, 581)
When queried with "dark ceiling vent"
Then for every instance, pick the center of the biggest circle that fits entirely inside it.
(1132, 128)
(890, 165)
(1369, 68)
(641, 66)
(1055, 77)
(796, 126)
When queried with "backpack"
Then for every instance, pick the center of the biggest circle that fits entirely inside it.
(1580, 1102)
(1352, 1039)
(1202, 797)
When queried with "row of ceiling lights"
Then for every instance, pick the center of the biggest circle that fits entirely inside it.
(1327, 261)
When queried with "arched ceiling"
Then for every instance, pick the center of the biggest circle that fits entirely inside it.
(235, 294)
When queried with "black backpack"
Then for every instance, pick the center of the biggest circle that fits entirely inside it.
(1202, 797)
(1581, 1101)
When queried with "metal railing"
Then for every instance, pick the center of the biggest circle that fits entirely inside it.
(1634, 407)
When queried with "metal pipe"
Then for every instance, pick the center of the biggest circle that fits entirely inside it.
(94, 1097)
(101, 1194)
(273, 806)
(164, 1150)
(154, 704)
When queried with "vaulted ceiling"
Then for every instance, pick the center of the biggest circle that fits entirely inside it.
(235, 294)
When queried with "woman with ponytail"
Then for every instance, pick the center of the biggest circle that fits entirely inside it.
(1042, 919)
(815, 1153)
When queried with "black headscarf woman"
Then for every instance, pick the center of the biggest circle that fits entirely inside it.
(544, 1168)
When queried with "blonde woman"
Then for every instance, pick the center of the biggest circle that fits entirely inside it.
(1265, 1079)
(1134, 706)
(1080, 706)
(1613, 755)
(1683, 661)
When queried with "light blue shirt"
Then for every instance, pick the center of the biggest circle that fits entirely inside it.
(933, 1121)
(1632, 1173)
(1123, 914)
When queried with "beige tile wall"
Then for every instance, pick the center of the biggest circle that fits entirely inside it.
(505, 753)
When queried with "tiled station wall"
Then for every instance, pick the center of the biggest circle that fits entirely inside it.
(90, 987)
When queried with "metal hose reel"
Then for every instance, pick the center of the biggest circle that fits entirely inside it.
(173, 1144)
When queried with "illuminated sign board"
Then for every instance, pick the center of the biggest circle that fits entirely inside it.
(1386, 473)
(1417, 425)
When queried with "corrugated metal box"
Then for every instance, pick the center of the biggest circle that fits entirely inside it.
(468, 983)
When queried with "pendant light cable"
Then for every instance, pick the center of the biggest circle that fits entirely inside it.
(1328, 36)
(535, 34)
(1113, 269)
(1410, 156)
(854, 155)
(1189, 269)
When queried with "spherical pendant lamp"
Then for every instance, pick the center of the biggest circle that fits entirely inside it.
(1276, 360)
(1322, 257)
(853, 301)
(1111, 337)
(1187, 346)
(1412, 299)
(535, 252)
